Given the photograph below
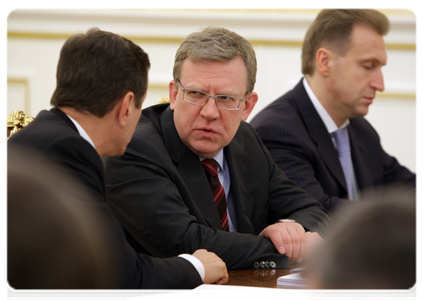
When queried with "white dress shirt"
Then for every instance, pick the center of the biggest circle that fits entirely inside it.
(329, 123)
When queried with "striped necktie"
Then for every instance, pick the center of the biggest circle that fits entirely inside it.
(210, 166)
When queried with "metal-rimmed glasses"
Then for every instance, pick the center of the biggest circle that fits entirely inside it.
(200, 98)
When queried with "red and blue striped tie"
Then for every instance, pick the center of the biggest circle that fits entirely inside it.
(210, 166)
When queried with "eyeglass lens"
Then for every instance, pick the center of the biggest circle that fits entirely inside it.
(200, 98)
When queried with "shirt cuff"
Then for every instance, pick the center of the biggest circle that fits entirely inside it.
(196, 263)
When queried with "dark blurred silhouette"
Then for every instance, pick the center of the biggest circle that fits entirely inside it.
(55, 239)
(371, 246)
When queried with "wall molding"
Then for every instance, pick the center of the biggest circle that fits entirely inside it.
(278, 27)
(176, 40)
(393, 95)
(25, 81)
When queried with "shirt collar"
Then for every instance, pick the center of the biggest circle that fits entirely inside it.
(324, 115)
(81, 131)
(219, 158)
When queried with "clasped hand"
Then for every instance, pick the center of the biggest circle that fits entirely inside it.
(292, 240)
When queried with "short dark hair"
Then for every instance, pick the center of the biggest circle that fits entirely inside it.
(97, 69)
(372, 245)
(332, 29)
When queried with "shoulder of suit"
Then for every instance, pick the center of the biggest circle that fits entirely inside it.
(149, 123)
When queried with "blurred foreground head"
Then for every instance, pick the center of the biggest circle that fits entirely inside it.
(55, 240)
(372, 246)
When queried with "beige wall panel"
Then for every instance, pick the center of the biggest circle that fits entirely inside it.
(36, 36)
(17, 89)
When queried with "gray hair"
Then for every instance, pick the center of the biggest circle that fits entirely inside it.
(216, 44)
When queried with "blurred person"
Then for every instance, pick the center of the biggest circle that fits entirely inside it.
(55, 239)
(195, 175)
(371, 246)
(316, 132)
(101, 83)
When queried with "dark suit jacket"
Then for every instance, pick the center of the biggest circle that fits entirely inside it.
(160, 193)
(53, 135)
(300, 144)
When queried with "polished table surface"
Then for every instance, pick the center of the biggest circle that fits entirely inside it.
(259, 277)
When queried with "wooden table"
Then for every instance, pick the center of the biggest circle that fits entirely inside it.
(258, 278)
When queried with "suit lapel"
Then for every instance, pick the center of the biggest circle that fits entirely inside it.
(191, 171)
(319, 135)
(238, 161)
(358, 156)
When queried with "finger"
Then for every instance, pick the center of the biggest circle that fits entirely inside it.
(286, 238)
(223, 279)
(303, 244)
(273, 232)
(279, 243)
(295, 243)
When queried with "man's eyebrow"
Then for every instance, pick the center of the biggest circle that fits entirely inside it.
(225, 93)
(372, 60)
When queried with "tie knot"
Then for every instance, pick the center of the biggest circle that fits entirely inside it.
(342, 140)
(210, 165)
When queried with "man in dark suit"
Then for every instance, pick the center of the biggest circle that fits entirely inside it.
(342, 59)
(101, 84)
(250, 213)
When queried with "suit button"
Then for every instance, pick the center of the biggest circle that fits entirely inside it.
(262, 264)
(273, 264)
(256, 265)
(267, 265)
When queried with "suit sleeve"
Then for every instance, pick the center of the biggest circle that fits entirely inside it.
(150, 200)
(288, 200)
(293, 156)
(395, 173)
(135, 270)
(392, 171)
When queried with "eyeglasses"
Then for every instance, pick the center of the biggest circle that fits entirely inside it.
(222, 101)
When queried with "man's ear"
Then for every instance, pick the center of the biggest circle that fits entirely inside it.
(323, 61)
(249, 104)
(173, 92)
(126, 106)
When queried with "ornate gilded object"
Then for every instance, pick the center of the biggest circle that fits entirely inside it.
(163, 100)
(16, 121)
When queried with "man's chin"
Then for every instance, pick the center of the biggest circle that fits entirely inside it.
(118, 153)
(206, 152)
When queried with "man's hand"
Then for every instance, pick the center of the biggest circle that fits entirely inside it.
(292, 240)
(215, 268)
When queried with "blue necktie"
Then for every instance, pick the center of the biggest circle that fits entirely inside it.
(344, 152)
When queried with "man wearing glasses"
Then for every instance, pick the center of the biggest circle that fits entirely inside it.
(195, 175)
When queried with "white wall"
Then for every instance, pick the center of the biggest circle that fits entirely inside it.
(35, 38)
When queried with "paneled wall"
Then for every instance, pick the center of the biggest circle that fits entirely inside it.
(35, 38)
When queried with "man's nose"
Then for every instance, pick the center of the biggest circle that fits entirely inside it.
(210, 110)
(377, 82)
